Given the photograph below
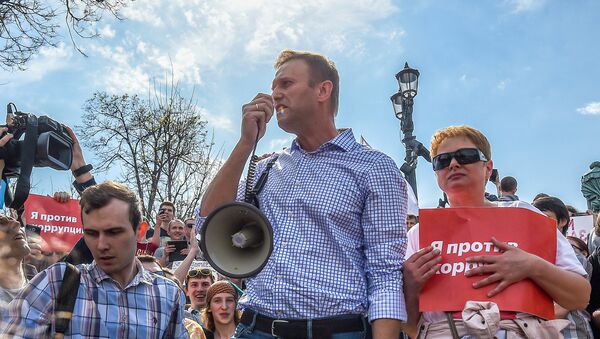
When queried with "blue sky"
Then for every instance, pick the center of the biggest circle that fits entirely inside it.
(525, 72)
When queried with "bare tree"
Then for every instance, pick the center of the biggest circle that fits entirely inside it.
(28, 25)
(161, 144)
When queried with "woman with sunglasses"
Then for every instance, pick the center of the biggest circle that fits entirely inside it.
(461, 158)
(221, 314)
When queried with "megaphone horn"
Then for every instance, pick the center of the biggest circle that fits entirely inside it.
(237, 240)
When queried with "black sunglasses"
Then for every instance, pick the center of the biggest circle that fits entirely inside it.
(463, 156)
(189, 225)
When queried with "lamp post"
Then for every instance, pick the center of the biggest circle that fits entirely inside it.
(408, 82)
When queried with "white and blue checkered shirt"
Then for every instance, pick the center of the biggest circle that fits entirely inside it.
(339, 224)
(148, 307)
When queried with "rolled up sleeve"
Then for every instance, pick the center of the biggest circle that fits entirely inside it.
(384, 227)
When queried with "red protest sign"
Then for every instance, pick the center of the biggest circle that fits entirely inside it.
(465, 232)
(60, 223)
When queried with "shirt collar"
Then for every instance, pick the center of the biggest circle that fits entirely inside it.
(344, 141)
(142, 276)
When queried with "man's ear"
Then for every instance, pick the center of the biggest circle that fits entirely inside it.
(489, 166)
(325, 89)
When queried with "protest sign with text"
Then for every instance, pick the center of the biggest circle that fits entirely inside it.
(580, 226)
(60, 223)
(460, 233)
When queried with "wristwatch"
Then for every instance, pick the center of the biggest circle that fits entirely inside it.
(82, 170)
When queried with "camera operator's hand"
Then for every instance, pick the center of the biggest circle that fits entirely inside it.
(3, 141)
(78, 160)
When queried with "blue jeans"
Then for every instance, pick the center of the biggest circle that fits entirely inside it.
(248, 332)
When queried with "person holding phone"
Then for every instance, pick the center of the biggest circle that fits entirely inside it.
(175, 249)
(166, 213)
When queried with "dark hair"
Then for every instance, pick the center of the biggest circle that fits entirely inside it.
(540, 195)
(167, 203)
(581, 244)
(321, 69)
(412, 216)
(508, 184)
(148, 259)
(555, 205)
(98, 196)
(572, 209)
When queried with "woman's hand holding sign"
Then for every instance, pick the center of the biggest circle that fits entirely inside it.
(417, 269)
(420, 267)
(512, 266)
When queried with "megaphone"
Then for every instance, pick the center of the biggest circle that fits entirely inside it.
(237, 240)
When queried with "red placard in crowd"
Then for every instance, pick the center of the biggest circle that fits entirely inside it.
(466, 232)
(60, 223)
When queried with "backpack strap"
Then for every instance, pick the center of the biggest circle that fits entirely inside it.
(65, 303)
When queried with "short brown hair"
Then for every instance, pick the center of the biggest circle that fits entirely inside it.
(167, 203)
(198, 273)
(148, 259)
(98, 196)
(321, 69)
(480, 141)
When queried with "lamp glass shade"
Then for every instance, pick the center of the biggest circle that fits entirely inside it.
(397, 104)
(408, 80)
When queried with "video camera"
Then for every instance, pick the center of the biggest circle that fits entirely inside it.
(46, 143)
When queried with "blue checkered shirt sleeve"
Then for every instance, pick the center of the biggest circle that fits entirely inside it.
(385, 240)
(351, 204)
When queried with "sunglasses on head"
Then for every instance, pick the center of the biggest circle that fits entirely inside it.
(199, 271)
(463, 156)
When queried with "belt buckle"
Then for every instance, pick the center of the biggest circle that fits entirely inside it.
(273, 326)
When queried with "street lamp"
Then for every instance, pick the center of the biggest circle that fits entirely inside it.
(402, 101)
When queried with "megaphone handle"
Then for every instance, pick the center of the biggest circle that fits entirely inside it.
(249, 194)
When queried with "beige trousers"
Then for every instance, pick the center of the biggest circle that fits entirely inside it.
(481, 319)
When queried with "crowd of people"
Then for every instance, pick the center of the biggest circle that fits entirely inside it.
(346, 260)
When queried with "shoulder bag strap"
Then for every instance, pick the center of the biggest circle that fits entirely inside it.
(66, 301)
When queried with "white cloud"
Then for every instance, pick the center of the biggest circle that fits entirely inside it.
(107, 32)
(502, 84)
(144, 11)
(123, 75)
(593, 108)
(277, 144)
(519, 6)
(193, 37)
(48, 60)
(218, 121)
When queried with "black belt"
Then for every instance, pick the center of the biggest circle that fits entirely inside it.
(297, 328)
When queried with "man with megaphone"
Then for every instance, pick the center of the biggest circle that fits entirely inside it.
(337, 211)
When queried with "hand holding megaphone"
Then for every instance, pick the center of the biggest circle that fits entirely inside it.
(237, 238)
